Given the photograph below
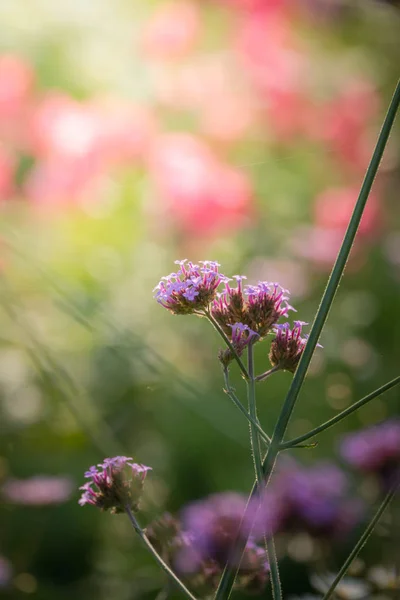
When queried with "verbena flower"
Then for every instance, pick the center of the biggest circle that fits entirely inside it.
(375, 450)
(198, 546)
(114, 484)
(241, 336)
(191, 289)
(287, 346)
(313, 500)
(258, 306)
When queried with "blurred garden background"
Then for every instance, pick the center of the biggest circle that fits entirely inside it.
(137, 132)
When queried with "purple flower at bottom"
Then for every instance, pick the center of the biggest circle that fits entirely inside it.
(375, 450)
(209, 530)
(241, 337)
(213, 524)
(314, 500)
(115, 484)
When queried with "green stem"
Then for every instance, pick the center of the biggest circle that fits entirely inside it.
(254, 439)
(363, 539)
(341, 415)
(265, 375)
(229, 574)
(229, 390)
(255, 447)
(227, 341)
(155, 554)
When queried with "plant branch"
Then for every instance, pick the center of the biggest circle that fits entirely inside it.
(229, 390)
(265, 375)
(229, 574)
(361, 542)
(156, 556)
(344, 413)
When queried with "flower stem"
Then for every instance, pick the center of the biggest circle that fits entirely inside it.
(229, 390)
(155, 554)
(256, 451)
(227, 341)
(341, 415)
(363, 539)
(265, 375)
(229, 574)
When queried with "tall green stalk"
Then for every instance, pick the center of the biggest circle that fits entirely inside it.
(229, 574)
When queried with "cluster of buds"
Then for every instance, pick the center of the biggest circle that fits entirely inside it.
(287, 346)
(115, 484)
(245, 313)
(257, 306)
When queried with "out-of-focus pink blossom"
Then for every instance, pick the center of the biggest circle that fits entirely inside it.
(172, 30)
(333, 209)
(61, 183)
(201, 193)
(7, 168)
(344, 124)
(62, 127)
(266, 5)
(16, 86)
(38, 491)
(276, 64)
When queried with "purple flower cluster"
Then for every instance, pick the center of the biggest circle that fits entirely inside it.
(191, 289)
(288, 345)
(200, 543)
(314, 500)
(258, 306)
(117, 482)
(375, 450)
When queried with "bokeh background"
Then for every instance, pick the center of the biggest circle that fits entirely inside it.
(135, 133)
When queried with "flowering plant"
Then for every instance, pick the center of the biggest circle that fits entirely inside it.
(223, 542)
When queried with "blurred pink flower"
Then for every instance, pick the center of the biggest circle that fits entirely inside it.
(56, 183)
(62, 127)
(201, 193)
(16, 86)
(172, 30)
(333, 209)
(7, 168)
(345, 123)
(38, 490)
(276, 63)
(269, 5)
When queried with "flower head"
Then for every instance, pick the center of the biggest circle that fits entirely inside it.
(117, 483)
(287, 346)
(375, 450)
(190, 289)
(257, 306)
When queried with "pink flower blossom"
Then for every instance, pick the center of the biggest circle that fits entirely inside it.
(7, 168)
(333, 209)
(172, 30)
(202, 194)
(16, 87)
